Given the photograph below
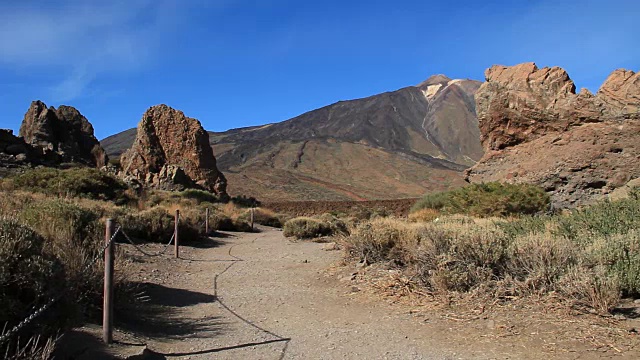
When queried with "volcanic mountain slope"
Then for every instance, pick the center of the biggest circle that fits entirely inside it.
(396, 144)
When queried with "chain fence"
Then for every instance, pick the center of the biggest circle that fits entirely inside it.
(6, 335)
(139, 249)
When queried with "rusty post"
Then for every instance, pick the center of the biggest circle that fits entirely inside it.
(206, 223)
(107, 312)
(175, 234)
(252, 218)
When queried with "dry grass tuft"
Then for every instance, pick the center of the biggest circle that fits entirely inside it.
(424, 215)
(590, 257)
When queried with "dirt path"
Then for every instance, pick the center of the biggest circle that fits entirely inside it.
(260, 296)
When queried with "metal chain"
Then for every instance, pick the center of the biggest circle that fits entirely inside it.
(6, 336)
(144, 252)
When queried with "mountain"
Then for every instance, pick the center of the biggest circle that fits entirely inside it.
(391, 145)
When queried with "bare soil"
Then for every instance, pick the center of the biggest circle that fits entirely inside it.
(261, 296)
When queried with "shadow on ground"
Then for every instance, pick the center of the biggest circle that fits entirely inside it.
(76, 344)
(159, 315)
(206, 243)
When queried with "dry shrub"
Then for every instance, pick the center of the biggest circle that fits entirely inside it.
(336, 225)
(538, 261)
(36, 348)
(153, 225)
(75, 182)
(306, 228)
(620, 255)
(29, 276)
(591, 288)
(264, 217)
(223, 222)
(74, 235)
(424, 215)
(592, 263)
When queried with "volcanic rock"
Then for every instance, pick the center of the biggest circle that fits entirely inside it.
(14, 152)
(621, 94)
(62, 135)
(536, 129)
(172, 151)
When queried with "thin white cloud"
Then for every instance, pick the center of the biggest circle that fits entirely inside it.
(82, 40)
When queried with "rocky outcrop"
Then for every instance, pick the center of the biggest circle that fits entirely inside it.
(172, 151)
(62, 135)
(621, 94)
(536, 129)
(13, 150)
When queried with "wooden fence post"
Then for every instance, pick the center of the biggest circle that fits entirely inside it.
(252, 218)
(206, 223)
(107, 311)
(175, 233)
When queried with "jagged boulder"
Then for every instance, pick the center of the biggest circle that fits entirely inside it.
(62, 135)
(520, 103)
(172, 151)
(536, 129)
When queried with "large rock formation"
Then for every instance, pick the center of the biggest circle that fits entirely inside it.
(172, 151)
(536, 129)
(62, 134)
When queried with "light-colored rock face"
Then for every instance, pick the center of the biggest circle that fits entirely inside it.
(62, 134)
(520, 103)
(167, 139)
(536, 129)
(621, 93)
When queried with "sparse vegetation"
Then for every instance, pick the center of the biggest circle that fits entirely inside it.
(488, 199)
(589, 256)
(310, 228)
(52, 228)
(306, 228)
(199, 195)
(75, 182)
(264, 217)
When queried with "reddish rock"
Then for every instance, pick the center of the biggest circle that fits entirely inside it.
(536, 129)
(62, 134)
(172, 149)
(520, 103)
(621, 94)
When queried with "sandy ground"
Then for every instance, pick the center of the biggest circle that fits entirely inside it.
(261, 296)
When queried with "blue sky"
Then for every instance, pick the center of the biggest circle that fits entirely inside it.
(234, 63)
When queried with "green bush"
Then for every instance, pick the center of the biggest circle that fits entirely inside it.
(79, 182)
(602, 219)
(244, 201)
(306, 228)
(620, 256)
(153, 225)
(199, 195)
(488, 199)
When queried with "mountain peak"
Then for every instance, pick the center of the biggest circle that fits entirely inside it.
(434, 80)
